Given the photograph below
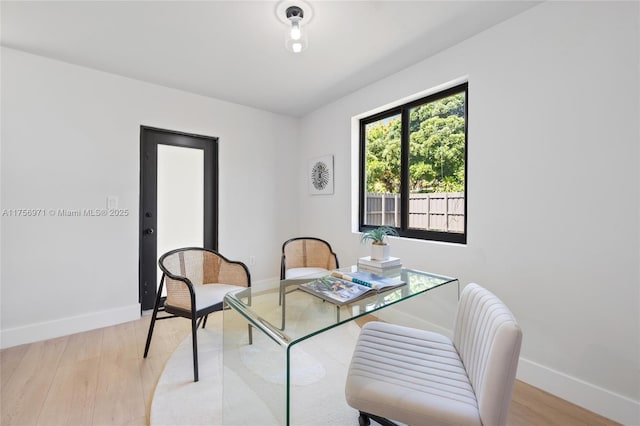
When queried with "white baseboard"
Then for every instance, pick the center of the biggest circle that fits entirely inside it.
(76, 324)
(65, 326)
(266, 284)
(591, 397)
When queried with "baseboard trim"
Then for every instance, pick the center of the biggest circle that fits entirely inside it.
(65, 326)
(591, 397)
(266, 284)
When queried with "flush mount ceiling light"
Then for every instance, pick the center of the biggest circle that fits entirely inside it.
(295, 14)
(296, 40)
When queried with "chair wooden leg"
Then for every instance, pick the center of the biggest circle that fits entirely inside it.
(194, 339)
(153, 318)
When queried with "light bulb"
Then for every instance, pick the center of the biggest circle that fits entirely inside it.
(296, 39)
(295, 31)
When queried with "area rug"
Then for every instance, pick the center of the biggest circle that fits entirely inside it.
(317, 392)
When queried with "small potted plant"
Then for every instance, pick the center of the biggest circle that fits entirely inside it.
(379, 246)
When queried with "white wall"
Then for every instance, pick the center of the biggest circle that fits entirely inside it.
(553, 190)
(70, 138)
(553, 100)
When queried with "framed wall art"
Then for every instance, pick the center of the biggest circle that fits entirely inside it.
(320, 174)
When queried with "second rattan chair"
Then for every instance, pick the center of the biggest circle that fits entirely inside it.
(197, 280)
(303, 256)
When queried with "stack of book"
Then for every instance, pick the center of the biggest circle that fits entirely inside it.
(390, 265)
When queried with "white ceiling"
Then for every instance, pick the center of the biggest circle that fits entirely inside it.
(234, 50)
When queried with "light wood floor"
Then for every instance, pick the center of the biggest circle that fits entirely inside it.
(100, 378)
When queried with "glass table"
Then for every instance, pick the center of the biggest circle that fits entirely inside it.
(264, 379)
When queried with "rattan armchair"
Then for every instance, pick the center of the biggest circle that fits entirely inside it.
(305, 256)
(197, 280)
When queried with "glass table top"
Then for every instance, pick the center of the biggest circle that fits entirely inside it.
(302, 315)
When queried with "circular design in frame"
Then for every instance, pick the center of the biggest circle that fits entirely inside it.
(321, 175)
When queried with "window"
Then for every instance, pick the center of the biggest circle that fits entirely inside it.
(413, 167)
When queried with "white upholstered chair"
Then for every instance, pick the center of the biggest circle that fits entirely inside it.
(419, 377)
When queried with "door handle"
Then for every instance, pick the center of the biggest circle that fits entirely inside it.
(149, 231)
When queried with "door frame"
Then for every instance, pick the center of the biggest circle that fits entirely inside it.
(150, 138)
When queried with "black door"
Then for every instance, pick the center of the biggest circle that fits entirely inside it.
(150, 139)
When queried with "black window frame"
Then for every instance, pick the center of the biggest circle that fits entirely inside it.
(404, 112)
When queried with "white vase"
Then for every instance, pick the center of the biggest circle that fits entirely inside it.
(380, 252)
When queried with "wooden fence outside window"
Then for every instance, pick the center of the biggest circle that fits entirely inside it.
(430, 211)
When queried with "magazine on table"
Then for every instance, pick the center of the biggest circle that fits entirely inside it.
(341, 288)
